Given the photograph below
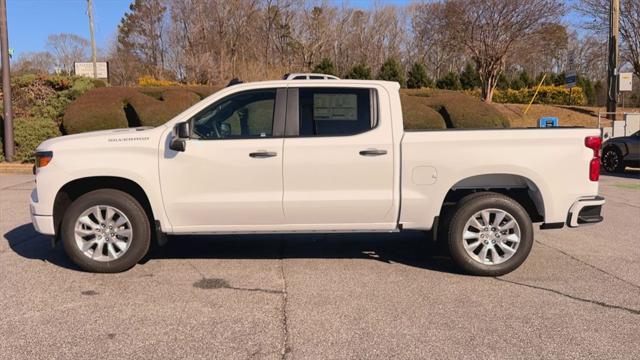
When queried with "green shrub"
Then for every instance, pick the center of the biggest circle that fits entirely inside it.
(551, 95)
(24, 80)
(29, 133)
(457, 109)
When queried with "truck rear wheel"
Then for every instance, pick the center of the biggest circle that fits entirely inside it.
(489, 234)
(105, 231)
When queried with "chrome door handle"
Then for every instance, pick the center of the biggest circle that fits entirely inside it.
(263, 154)
(372, 152)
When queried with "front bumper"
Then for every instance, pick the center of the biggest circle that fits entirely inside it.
(586, 211)
(42, 223)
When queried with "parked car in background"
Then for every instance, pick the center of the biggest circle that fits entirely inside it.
(620, 152)
(313, 156)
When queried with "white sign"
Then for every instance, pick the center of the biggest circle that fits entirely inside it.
(86, 69)
(625, 82)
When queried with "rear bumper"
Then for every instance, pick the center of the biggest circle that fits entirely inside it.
(586, 211)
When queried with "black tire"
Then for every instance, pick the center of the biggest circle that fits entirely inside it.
(464, 211)
(140, 229)
(612, 160)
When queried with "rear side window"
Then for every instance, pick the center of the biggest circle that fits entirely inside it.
(335, 111)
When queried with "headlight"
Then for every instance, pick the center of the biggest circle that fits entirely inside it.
(43, 158)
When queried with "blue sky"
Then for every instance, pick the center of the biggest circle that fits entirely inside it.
(31, 21)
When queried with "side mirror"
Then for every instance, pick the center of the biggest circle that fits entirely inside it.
(181, 132)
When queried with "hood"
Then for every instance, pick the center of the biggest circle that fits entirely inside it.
(115, 135)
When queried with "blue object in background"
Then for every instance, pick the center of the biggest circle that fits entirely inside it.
(548, 121)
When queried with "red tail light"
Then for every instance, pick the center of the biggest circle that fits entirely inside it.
(594, 143)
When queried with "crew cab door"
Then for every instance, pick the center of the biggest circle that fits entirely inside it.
(229, 178)
(338, 160)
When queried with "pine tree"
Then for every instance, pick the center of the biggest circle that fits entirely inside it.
(325, 67)
(360, 71)
(469, 78)
(417, 77)
(450, 81)
(391, 71)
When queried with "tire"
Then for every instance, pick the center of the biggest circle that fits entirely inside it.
(612, 160)
(121, 247)
(503, 253)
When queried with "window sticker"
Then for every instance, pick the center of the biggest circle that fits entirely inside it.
(335, 107)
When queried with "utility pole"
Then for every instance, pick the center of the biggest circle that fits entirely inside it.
(93, 39)
(6, 83)
(612, 66)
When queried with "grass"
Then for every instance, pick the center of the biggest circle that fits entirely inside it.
(628, 186)
(584, 116)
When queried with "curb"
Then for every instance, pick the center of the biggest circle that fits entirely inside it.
(15, 168)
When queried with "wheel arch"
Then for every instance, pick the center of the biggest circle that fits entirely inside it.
(518, 187)
(78, 187)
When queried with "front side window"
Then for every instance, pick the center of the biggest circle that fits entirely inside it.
(335, 111)
(243, 115)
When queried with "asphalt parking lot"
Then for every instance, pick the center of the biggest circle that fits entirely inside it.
(324, 296)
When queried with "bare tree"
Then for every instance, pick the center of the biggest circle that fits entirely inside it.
(598, 10)
(67, 49)
(141, 36)
(489, 30)
(42, 62)
(431, 40)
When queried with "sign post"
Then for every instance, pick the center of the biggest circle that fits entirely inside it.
(6, 84)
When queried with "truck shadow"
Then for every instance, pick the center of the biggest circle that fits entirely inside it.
(408, 248)
(629, 173)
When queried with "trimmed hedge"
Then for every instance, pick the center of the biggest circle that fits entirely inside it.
(455, 110)
(418, 115)
(118, 107)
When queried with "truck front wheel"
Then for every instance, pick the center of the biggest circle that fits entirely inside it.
(489, 234)
(105, 231)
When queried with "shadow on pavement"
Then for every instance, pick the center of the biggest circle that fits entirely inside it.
(629, 173)
(26, 242)
(410, 248)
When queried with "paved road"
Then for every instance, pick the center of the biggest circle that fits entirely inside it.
(324, 297)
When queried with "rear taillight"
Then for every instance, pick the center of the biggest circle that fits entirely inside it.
(594, 143)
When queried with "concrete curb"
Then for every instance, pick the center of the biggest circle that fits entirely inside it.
(15, 168)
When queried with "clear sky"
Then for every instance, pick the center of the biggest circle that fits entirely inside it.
(31, 21)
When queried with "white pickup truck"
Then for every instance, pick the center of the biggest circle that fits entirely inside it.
(312, 156)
